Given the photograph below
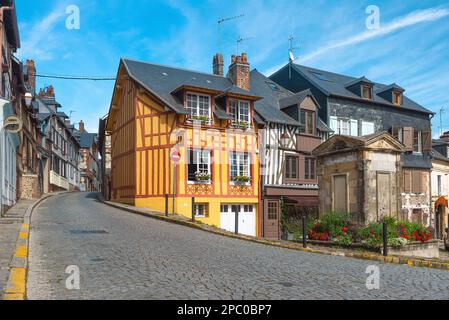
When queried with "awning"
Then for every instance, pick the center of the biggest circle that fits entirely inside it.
(442, 201)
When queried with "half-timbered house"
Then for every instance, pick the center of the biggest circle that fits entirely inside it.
(292, 130)
(206, 119)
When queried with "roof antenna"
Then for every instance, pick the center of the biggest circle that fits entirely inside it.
(291, 55)
(220, 24)
(240, 40)
(441, 112)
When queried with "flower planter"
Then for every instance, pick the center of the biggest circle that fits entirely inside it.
(428, 249)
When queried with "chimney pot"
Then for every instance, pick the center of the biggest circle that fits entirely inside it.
(31, 74)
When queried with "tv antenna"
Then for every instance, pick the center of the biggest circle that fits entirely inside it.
(71, 112)
(220, 23)
(240, 40)
(291, 54)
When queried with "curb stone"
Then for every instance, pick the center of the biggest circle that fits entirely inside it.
(16, 285)
(411, 262)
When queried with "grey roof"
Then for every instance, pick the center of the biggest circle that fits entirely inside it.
(268, 108)
(294, 99)
(333, 84)
(221, 114)
(162, 81)
(43, 116)
(436, 155)
(323, 127)
(86, 139)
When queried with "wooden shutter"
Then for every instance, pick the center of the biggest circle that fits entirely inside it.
(407, 181)
(408, 138)
(417, 181)
(354, 128)
(427, 141)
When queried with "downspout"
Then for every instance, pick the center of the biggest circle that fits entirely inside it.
(430, 181)
(262, 198)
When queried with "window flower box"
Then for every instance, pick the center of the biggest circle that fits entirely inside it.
(240, 125)
(203, 178)
(201, 120)
(241, 180)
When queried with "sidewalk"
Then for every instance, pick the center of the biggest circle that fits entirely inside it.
(342, 252)
(10, 226)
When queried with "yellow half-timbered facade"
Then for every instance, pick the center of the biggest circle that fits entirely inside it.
(207, 119)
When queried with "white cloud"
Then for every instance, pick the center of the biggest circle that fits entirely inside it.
(41, 37)
(411, 19)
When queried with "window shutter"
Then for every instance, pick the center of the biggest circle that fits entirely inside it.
(354, 128)
(333, 123)
(408, 138)
(427, 141)
(407, 181)
(367, 128)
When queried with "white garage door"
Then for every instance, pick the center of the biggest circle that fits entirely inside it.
(246, 216)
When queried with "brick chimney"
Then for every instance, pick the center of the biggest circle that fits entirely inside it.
(239, 71)
(81, 126)
(218, 64)
(31, 73)
(48, 92)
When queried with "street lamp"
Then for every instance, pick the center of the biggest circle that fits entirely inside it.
(28, 99)
(285, 139)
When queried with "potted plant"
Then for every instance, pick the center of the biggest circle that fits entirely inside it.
(200, 119)
(240, 124)
(241, 180)
(202, 177)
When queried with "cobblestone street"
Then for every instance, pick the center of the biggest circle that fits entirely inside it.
(125, 256)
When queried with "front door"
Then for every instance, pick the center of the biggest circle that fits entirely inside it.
(238, 218)
(271, 219)
(340, 193)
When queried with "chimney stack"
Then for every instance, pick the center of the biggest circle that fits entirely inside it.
(239, 71)
(218, 64)
(81, 126)
(48, 92)
(31, 73)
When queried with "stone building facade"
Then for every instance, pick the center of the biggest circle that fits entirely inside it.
(361, 176)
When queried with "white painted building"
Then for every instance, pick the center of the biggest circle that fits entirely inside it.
(8, 149)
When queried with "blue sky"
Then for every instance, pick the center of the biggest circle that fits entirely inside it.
(411, 47)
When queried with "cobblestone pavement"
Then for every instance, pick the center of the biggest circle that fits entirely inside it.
(134, 257)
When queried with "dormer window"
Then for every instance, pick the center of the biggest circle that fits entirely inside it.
(397, 98)
(367, 92)
(240, 112)
(307, 122)
(199, 106)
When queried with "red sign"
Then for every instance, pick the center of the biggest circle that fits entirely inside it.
(175, 156)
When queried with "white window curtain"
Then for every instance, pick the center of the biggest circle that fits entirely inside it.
(367, 128)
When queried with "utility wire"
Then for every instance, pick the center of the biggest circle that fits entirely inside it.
(67, 77)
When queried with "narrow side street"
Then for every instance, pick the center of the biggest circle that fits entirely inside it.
(125, 256)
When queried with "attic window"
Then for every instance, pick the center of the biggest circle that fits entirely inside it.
(273, 86)
(366, 92)
(320, 76)
(397, 98)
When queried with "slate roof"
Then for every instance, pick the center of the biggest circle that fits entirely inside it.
(10, 21)
(268, 107)
(294, 99)
(274, 100)
(85, 139)
(436, 155)
(333, 84)
(162, 81)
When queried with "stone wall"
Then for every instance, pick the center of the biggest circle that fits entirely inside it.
(29, 186)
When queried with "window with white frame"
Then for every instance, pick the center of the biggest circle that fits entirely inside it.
(367, 128)
(201, 210)
(198, 105)
(240, 111)
(199, 166)
(344, 126)
(239, 166)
